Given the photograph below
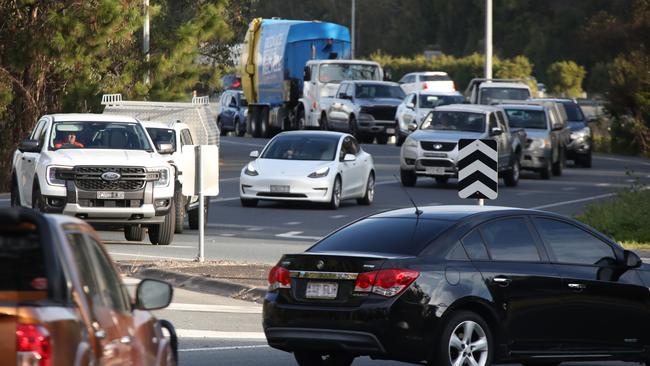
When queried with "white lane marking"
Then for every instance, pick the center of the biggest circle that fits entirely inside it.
(631, 180)
(212, 334)
(255, 229)
(338, 216)
(432, 204)
(148, 256)
(574, 201)
(228, 179)
(223, 348)
(243, 143)
(296, 235)
(386, 182)
(5, 199)
(293, 223)
(623, 160)
(603, 184)
(204, 308)
(224, 199)
(227, 234)
(569, 188)
(180, 246)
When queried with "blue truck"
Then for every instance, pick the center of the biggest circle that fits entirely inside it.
(282, 61)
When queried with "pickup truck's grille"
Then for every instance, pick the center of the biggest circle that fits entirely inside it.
(437, 146)
(381, 113)
(90, 178)
(435, 163)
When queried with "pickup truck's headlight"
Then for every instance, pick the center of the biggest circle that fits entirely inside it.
(52, 175)
(250, 170)
(411, 143)
(582, 133)
(163, 178)
(320, 173)
(540, 143)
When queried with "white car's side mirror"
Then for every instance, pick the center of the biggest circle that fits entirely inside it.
(254, 154)
(349, 157)
(410, 105)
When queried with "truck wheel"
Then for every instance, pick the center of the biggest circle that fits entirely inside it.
(546, 171)
(179, 201)
(220, 127)
(585, 160)
(264, 123)
(239, 131)
(254, 124)
(193, 216)
(353, 127)
(134, 232)
(382, 139)
(557, 166)
(38, 203)
(15, 193)
(511, 178)
(163, 234)
(323, 123)
(399, 138)
(300, 121)
(408, 177)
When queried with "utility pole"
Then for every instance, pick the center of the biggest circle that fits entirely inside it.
(145, 39)
(488, 39)
(353, 27)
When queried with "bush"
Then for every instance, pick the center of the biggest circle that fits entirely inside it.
(624, 218)
(565, 78)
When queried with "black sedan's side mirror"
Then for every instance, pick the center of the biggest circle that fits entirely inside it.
(496, 131)
(631, 259)
(153, 295)
(29, 146)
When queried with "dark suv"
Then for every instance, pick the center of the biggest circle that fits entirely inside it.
(461, 285)
(232, 113)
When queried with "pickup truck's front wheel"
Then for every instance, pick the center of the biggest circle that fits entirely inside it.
(408, 177)
(134, 233)
(163, 234)
(193, 216)
(511, 178)
(179, 199)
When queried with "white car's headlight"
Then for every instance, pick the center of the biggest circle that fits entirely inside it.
(540, 143)
(163, 176)
(250, 170)
(411, 143)
(320, 173)
(582, 133)
(52, 176)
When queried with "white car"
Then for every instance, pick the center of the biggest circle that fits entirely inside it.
(415, 108)
(315, 166)
(100, 168)
(427, 80)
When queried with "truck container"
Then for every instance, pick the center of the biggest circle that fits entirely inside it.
(273, 61)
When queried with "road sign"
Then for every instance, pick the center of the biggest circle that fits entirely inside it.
(478, 175)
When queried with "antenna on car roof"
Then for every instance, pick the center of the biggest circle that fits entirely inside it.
(418, 212)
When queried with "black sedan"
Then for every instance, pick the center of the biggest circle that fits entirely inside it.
(461, 285)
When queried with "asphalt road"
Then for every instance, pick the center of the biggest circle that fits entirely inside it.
(263, 233)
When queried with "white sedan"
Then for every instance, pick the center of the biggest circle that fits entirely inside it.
(315, 166)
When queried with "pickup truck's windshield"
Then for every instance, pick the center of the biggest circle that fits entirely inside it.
(335, 73)
(302, 147)
(432, 101)
(368, 91)
(454, 121)
(522, 118)
(99, 135)
(162, 136)
(491, 95)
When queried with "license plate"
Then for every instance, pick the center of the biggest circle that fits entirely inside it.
(280, 189)
(390, 131)
(321, 290)
(110, 195)
(435, 170)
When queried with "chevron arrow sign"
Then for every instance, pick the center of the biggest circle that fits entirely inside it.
(478, 175)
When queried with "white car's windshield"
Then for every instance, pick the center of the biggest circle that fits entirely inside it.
(334, 73)
(302, 147)
(99, 135)
(454, 121)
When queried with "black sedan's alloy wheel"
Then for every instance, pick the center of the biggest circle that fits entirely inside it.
(465, 340)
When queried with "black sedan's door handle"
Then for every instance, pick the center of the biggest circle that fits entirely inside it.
(577, 287)
(501, 280)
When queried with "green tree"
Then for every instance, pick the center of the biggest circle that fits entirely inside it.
(565, 78)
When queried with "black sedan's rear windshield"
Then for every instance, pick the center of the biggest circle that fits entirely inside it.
(401, 236)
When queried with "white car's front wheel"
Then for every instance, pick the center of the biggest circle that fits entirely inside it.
(335, 201)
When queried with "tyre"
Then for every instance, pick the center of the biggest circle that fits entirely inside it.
(134, 233)
(264, 123)
(38, 203)
(369, 197)
(193, 215)
(239, 130)
(247, 202)
(15, 193)
(558, 165)
(323, 123)
(335, 200)
(511, 178)
(163, 234)
(585, 160)
(546, 171)
(399, 138)
(220, 127)
(442, 180)
(407, 177)
(312, 358)
(352, 126)
(465, 340)
(254, 123)
(300, 121)
(382, 139)
(179, 203)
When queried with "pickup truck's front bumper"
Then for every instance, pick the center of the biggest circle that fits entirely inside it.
(367, 124)
(536, 159)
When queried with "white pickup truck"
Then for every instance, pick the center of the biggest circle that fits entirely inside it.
(100, 168)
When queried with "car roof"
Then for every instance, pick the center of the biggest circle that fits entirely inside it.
(159, 124)
(314, 133)
(358, 62)
(476, 108)
(496, 84)
(91, 117)
(427, 73)
(448, 212)
(433, 92)
(371, 82)
(526, 106)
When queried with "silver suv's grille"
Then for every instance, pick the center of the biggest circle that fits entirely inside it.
(437, 146)
(90, 178)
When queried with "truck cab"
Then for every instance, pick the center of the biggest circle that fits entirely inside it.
(495, 91)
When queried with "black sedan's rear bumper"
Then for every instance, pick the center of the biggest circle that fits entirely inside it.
(289, 339)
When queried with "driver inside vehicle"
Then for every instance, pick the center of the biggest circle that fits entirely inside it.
(69, 140)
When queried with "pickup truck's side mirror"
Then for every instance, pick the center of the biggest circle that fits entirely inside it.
(496, 131)
(410, 105)
(165, 149)
(558, 126)
(631, 259)
(307, 74)
(29, 146)
(153, 295)
(412, 127)
(254, 154)
(346, 96)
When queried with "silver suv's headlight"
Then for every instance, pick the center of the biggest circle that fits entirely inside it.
(582, 133)
(411, 143)
(52, 173)
(540, 143)
(163, 177)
